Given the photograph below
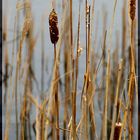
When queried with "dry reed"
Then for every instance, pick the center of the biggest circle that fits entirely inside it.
(115, 110)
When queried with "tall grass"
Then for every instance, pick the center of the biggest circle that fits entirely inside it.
(101, 105)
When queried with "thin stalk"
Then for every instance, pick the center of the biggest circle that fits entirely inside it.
(106, 98)
(112, 22)
(9, 103)
(42, 58)
(116, 100)
(72, 61)
(56, 96)
(132, 83)
(16, 102)
(67, 85)
(16, 78)
(85, 102)
(86, 23)
(89, 39)
(86, 76)
(77, 57)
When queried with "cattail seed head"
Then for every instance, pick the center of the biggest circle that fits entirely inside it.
(132, 9)
(117, 130)
(53, 22)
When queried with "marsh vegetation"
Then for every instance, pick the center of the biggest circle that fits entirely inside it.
(87, 90)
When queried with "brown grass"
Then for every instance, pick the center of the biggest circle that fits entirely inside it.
(106, 91)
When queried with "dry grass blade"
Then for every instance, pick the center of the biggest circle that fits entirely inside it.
(106, 98)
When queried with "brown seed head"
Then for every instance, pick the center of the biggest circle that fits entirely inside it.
(53, 22)
(132, 9)
(117, 130)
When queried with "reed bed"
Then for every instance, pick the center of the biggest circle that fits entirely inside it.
(101, 106)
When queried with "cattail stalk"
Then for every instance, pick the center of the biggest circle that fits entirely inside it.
(132, 11)
(56, 97)
(86, 23)
(112, 22)
(16, 78)
(9, 103)
(116, 100)
(87, 80)
(42, 56)
(54, 35)
(78, 47)
(73, 83)
(106, 98)
(67, 64)
(86, 74)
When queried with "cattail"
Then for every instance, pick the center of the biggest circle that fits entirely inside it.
(132, 9)
(54, 32)
(54, 35)
(117, 130)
